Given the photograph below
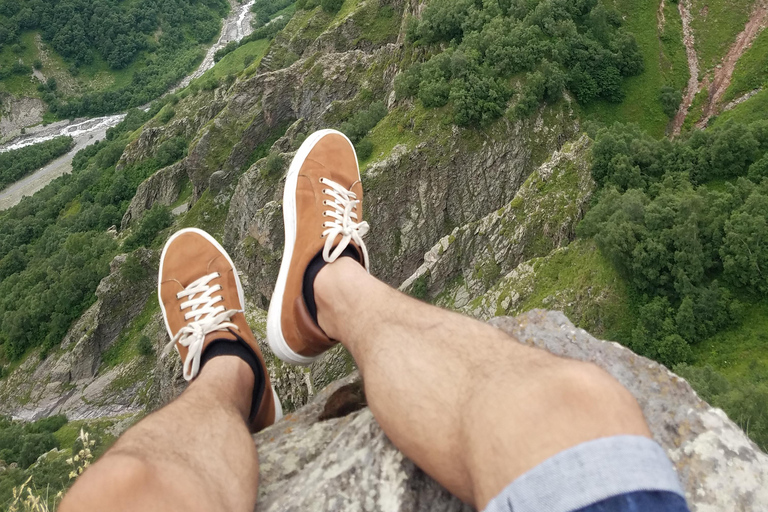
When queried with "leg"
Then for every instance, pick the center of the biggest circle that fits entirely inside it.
(194, 454)
(461, 399)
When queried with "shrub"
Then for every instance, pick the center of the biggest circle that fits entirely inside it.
(670, 100)
(364, 149)
(274, 166)
(171, 151)
(145, 346)
(166, 115)
(331, 6)
(132, 270)
(363, 121)
(155, 220)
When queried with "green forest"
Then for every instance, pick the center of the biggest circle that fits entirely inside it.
(163, 38)
(17, 163)
(54, 248)
(686, 223)
(552, 46)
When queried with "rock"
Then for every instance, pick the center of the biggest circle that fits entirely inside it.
(416, 197)
(18, 113)
(67, 381)
(163, 187)
(341, 464)
(542, 217)
(347, 463)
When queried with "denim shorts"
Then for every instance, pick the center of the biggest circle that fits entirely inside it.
(614, 474)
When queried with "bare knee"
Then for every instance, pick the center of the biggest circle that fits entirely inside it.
(597, 401)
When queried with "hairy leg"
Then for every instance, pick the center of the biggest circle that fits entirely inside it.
(194, 454)
(467, 403)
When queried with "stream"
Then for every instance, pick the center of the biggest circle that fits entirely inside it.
(89, 131)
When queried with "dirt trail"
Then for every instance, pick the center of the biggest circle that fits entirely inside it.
(684, 6)
(724, 72)
(660, 16)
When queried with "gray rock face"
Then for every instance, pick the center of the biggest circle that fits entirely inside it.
(67, 381)
(348, 464)
(162, 187)
(542, 216)
(343, 464)
(18, 113)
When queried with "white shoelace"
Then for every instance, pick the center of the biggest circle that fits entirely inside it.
(207, 316)
(344, 223)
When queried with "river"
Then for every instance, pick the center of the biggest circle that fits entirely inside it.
(89, 131)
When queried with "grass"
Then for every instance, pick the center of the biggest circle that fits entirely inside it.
(378, 24)
(125, 348)
(754, 109)
(19, 85)
(234, 63)
(716, 23)
(665, 64)
(731, 352)
(575, 277)
(697, 110)
(400, 126)
(751, 71)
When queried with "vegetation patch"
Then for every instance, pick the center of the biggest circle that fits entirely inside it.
(665, 65)
(207, 214)
(751, 71)
(716, 23)
(753, 110)
(578, 46)
(117, 54)
(127, 346)
(18, 163)
(694, 255)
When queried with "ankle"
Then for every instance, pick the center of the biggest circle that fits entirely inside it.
(332, 287)
(231, 379)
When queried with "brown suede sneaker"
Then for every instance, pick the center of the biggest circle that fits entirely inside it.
(202, 302)
(322, 211)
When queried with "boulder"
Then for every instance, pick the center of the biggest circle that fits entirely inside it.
(347, 463)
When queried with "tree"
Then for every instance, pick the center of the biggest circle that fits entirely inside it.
(745, 247)
(331, 6)
(670, 99)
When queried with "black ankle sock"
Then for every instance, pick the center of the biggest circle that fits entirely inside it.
(239, 348)
(317, 263)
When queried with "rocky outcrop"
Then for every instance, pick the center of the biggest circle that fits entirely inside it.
(19, 113)
(163, 187)
(256, 106)
(542, 216)
(347, 463)
(68, 381)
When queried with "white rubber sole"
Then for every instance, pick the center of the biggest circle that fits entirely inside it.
(240, 294)
(274, 328)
